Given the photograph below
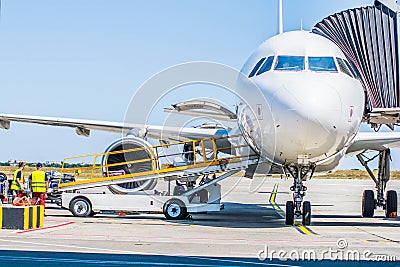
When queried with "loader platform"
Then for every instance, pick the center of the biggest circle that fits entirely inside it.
(207, 157)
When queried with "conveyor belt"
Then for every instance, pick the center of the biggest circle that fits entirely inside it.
(167, 174)
(100, 175)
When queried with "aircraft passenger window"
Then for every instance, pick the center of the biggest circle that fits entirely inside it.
(256, 67)
(343, 66)
(266, 66)
(291, 63)
(322, 64)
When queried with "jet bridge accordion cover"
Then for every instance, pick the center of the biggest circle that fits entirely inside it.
(368, 36)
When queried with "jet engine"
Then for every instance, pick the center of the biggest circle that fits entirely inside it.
(132, 149)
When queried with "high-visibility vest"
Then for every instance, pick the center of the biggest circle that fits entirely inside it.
(38, 181)
(14, 184)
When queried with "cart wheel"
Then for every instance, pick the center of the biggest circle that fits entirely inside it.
(175, 209)
(80, 207)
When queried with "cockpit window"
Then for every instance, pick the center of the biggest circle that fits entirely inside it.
(343, 67)
(290, 63)
(322, 64)
(253, 72)
(266, 66)
(350, 68)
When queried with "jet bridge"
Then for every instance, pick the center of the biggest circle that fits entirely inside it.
(368, 36)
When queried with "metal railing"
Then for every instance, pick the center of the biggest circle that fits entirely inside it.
(160, 158)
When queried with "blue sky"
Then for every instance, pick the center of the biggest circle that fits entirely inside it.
(85, 59)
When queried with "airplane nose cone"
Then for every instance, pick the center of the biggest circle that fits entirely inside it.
(306, 115)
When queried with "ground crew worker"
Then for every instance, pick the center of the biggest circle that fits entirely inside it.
(39, 184)
(17, 184)
(188, 152)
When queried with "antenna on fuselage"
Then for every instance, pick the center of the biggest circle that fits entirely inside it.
(280, 17)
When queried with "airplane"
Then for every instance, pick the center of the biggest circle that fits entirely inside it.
(316, 103)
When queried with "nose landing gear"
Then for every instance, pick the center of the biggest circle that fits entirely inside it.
(297, 207)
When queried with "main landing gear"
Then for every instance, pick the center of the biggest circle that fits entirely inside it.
(297, 207)
(388, 202)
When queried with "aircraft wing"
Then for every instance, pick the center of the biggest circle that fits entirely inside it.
(365, 142)
(83, 127)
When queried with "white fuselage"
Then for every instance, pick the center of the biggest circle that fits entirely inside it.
(311, 108)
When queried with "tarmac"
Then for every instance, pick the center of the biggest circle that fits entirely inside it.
(249, 231)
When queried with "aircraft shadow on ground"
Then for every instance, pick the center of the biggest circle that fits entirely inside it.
(234, 215)
(238, 215)
(357, 220)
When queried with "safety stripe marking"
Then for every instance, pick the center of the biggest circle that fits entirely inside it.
(41, 215)
(34, 217)
(273, 203)
(26, 217)
(301, 228)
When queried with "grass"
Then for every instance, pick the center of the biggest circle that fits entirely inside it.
(357, 174)
(9, 171)
(352, 174)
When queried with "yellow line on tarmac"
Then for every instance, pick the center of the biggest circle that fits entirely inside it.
(301, 228)
(273, 203)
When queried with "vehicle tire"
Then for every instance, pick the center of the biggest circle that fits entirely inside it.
(391, 203)
(289, 218)
(306, 220)
(80, 207)
(368, 204)
(175, 209)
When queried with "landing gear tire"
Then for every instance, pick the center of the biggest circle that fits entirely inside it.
(80, 207)
(368, 204)
(175, 209)
(391, 204)
(289, 219)
(306, 220)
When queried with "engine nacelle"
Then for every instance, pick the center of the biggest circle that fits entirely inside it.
(129, 143)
